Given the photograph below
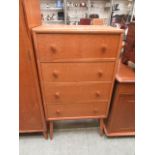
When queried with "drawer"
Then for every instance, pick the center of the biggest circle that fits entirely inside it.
(76, 93)
(75, 72)
(77, 110)
(56, 47)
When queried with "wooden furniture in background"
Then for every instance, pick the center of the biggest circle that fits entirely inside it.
(121, 117)
(31, 114)
(129, 52)
(77, 67)
(32, 13)
(97, 21)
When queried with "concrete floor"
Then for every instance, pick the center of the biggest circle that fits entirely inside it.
(78, 138)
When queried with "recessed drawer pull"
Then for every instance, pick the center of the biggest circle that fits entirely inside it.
(98, 93)
(57, 95)
(104, 48)
(55, 74)
(53, 48)
(100, 73)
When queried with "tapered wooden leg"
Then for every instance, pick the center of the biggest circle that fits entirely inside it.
(51, 130)
(101, 126)
(45, 134)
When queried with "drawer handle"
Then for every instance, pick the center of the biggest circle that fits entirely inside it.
(98, 93)
(58, 112)
(55, 74)
(104, 48)
(100, 73)
(53, 49)
(95, 110)
(57, 95)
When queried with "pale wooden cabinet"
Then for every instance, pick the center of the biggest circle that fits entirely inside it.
(77, 67)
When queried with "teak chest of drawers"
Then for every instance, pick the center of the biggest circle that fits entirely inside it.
(77, 67)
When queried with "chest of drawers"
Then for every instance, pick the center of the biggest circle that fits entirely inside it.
(76, 66)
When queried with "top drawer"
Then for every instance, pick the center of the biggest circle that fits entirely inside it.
(57, 47)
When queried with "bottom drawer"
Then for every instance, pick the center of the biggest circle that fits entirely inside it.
(63, 111)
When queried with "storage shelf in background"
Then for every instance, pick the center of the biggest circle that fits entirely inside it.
(76, 9)
(54, 21)
(51, 9)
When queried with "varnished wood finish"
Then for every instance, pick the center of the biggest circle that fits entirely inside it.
(31, 115)
(96, 71)
(129, 50)
(96, 108)
(76, 92)
(101, 126)
(125, 74)
(121, 119)
(91, 29)
(77, 67)
(75, 46)
(32, 12)
(51, 130)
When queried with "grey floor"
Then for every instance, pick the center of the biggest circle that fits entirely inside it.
(76, 138)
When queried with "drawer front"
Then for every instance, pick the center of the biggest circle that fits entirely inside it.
(76, 93)
(76, 110)
(75, 72)
(54, 47)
